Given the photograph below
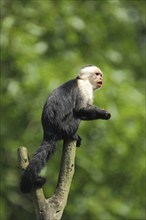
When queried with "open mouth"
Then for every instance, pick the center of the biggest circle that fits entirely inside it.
(100, 83)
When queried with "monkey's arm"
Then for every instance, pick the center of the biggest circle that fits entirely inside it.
(91, 113)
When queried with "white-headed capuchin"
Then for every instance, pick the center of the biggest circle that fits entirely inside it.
(65, 107)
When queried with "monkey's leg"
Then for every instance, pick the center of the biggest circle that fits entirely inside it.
(92, 113)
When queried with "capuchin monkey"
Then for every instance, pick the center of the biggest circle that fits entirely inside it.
(65, 107)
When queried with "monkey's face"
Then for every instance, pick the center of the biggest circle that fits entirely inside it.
(93, 74)
(96, 79)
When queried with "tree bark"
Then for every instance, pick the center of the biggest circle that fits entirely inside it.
(53, 207)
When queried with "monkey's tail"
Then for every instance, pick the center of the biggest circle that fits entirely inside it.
(30, 178)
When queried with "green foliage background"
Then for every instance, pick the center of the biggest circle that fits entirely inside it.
(44, 43)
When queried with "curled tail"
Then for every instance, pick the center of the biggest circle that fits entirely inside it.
(30, 176)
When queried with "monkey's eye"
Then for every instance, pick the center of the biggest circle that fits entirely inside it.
(97, 74)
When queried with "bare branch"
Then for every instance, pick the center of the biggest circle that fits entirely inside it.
(53, 207)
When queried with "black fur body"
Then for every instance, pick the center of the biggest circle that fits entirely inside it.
(58, 119)
(61, 116)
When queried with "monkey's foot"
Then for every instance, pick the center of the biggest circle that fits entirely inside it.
(79, 140)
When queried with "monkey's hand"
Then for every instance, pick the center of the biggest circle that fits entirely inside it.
(103, 114)
(92, 113)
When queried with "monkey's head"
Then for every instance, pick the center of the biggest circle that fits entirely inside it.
(93, 74)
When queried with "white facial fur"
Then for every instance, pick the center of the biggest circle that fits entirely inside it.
(92, 74)
(86, 92)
